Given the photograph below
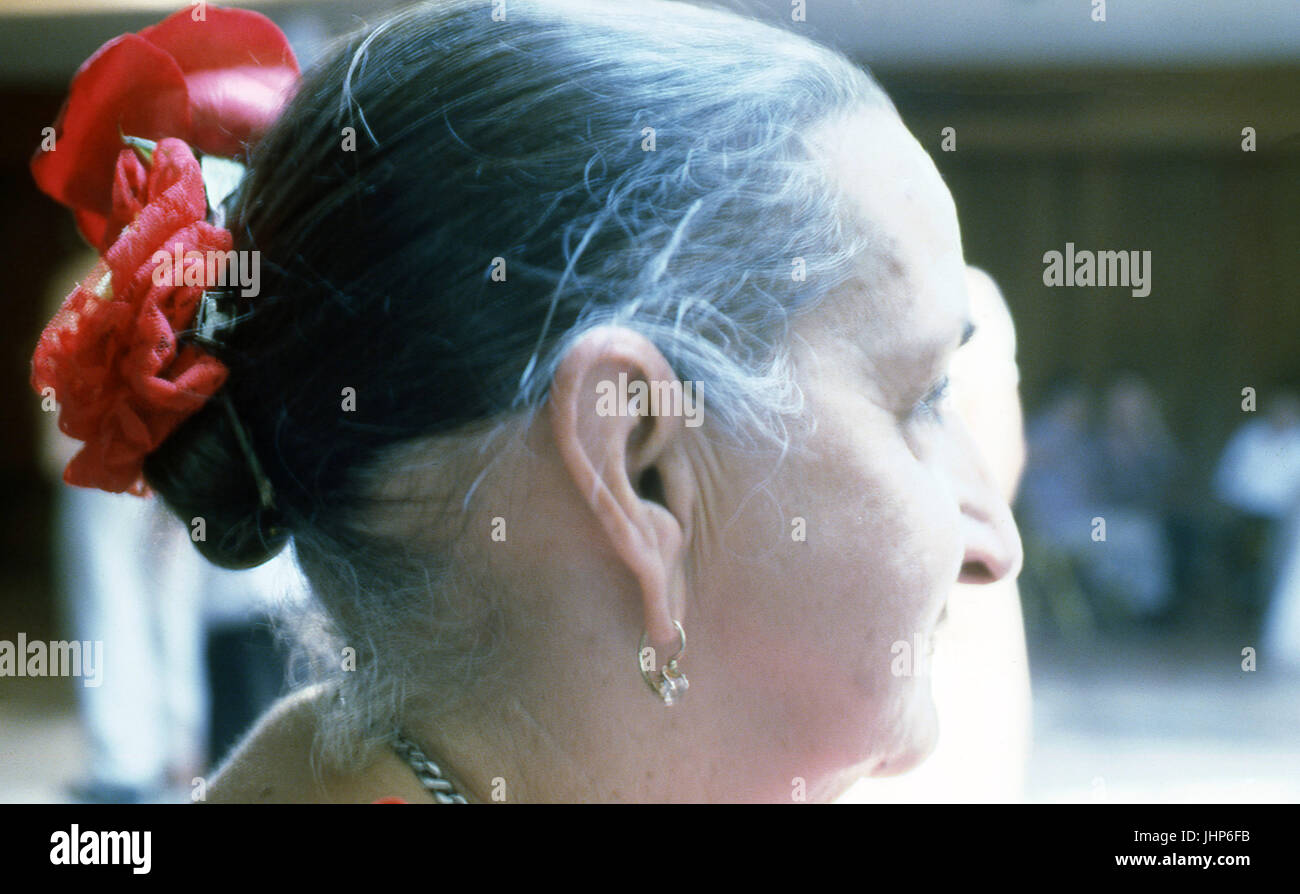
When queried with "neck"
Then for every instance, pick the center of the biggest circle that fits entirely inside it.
(608, 742)
(498, 752)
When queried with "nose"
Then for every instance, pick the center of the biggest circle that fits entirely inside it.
(993, 550)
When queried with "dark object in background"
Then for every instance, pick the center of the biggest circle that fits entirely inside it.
(246, 674)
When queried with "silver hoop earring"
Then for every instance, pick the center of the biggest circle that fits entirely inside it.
(672, 683)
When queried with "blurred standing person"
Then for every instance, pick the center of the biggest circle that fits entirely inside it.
(1137, 460)
(1281, 634)
(1138, 453)
(125, 576)
(1055, 506)
(191, 657)
(1259, 474)
(1055, 499)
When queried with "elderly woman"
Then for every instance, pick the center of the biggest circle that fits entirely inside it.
(582, 333)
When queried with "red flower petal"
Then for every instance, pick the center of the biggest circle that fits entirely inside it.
(130, 86)
(176, 198)
(239, 70)
(129, 181)
(217, 83)
(227, 38)
(92, 227)
(234, 107)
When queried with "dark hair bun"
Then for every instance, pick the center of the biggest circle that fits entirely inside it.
(202, 475)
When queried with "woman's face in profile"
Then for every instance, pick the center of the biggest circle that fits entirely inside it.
(824, 587)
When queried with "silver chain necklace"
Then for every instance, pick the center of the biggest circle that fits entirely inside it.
(429, 773)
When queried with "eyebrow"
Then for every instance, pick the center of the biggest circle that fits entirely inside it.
(935, 349)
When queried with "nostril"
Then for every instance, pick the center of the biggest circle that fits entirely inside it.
(975, 573)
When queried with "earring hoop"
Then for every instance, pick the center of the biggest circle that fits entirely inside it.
(671, 684)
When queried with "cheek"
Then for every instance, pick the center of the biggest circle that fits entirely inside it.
(890, 543)
(887, 578)
(889, 571)
(868, 567)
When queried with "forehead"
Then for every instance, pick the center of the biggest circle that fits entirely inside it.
(913, 272)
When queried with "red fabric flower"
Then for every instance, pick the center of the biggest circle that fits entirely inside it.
(122, 381)
(217, 83)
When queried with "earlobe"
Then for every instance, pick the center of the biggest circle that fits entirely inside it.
(627, 466)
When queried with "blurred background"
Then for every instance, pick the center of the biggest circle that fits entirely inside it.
(1163, 645)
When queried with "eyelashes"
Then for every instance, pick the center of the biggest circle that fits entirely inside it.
(928, 407)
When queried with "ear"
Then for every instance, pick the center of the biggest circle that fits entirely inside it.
(629, 465)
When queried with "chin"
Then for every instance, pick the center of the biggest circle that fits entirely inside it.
(919, 743)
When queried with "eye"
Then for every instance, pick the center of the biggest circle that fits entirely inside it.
(928, 407)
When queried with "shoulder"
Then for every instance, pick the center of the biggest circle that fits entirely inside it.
(276, 764)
